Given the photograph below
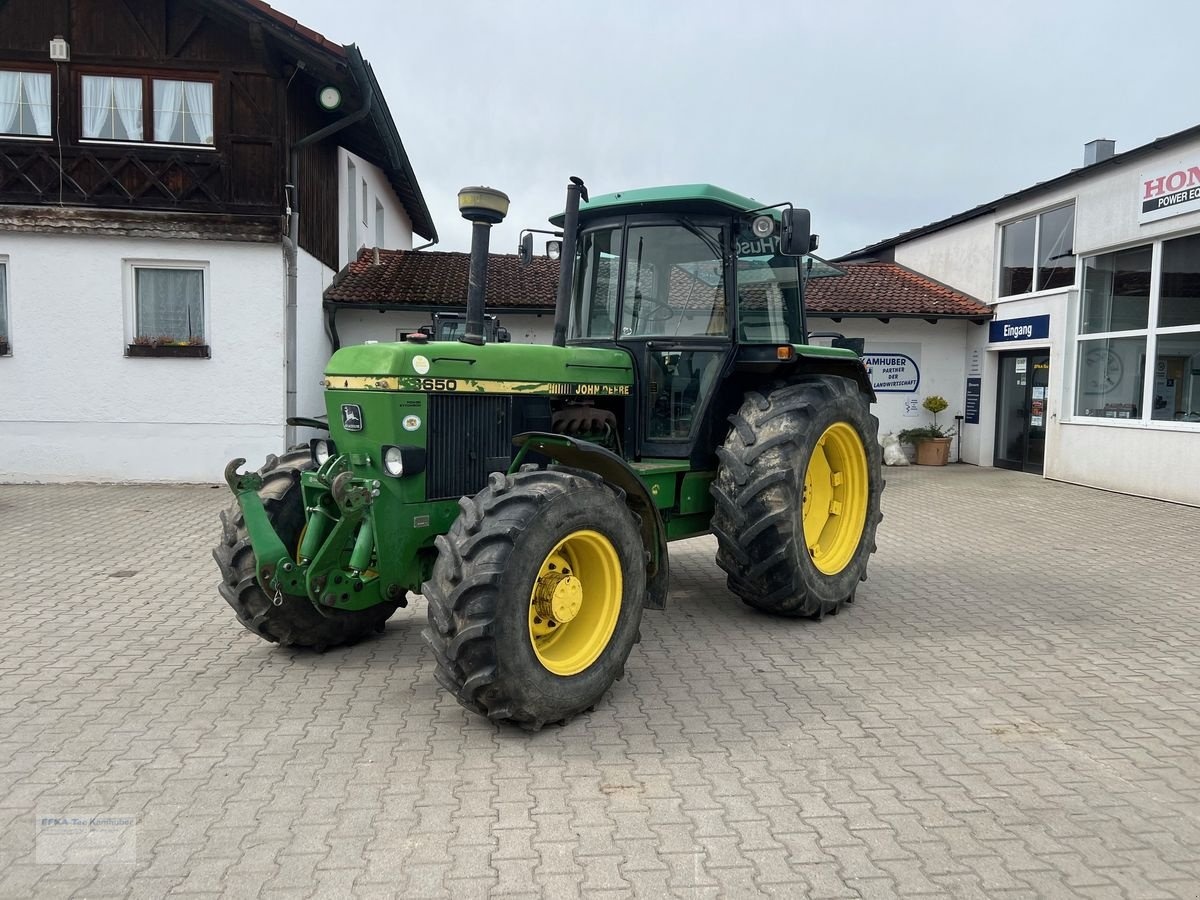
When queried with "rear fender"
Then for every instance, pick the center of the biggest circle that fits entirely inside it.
(614, 470)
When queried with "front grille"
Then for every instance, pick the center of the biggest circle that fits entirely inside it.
(470, 436)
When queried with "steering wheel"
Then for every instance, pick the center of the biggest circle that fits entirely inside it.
(657, 313)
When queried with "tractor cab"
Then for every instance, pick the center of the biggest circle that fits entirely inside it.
(693, 283)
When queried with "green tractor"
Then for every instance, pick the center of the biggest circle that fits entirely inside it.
(529, 491)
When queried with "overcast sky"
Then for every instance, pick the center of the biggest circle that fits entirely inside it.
(878, 116)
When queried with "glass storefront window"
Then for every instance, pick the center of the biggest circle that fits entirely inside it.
(1179, 285)
(1118, 377)
(1109, 379)
(1037, 253)
(1116, 291)
(1056, 258)
(1016, 257)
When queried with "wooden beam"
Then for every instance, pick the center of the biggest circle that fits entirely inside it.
(155, 50)
(199, 20)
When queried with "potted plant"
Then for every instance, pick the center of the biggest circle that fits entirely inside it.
(932, 442)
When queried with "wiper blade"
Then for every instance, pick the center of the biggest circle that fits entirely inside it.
(709, 241)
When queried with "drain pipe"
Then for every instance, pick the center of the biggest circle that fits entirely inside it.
(291, 241)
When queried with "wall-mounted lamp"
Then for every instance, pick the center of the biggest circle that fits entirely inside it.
(60, 50)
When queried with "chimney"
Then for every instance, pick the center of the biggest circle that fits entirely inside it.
(1098, 151)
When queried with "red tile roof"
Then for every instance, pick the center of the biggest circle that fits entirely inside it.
(292, 25)
(434, 278)
(431, 278)
(882, 289)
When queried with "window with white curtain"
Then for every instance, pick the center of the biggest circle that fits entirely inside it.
(112, 108)
(183, 112)
(25, 103)
(115, 109)
(168, 305)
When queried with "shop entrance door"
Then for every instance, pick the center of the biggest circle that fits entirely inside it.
(1021, 410)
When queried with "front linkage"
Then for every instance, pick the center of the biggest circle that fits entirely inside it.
(337, 508)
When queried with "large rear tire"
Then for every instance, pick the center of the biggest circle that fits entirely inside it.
(294, 622)
(536, 596)
(797, 497)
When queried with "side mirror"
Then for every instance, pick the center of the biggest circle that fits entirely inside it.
(525, 250)
(795, 238)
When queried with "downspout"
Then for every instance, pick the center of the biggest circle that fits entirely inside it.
(291, 241)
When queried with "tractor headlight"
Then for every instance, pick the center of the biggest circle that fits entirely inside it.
(399, 462)
(321, 450)
(393, 461)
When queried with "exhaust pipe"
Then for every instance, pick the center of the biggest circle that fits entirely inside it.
(576, 191)
(483, 207)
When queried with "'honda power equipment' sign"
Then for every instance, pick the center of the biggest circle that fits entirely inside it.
(1169, 191)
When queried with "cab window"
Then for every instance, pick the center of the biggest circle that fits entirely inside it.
(674, 282)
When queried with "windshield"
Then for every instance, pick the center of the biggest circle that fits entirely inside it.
(674, 283)
(768, 294)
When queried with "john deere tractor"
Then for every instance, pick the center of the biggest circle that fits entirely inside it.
(530, 492)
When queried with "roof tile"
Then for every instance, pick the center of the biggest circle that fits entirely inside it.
(435, 278)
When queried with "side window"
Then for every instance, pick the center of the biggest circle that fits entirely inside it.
(351, 211)
(168, 311)
(5, 346)
(594, 300)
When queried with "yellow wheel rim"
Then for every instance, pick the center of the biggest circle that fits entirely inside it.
(835, 498)
(575, 602)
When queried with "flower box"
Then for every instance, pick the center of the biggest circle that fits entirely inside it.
(179, 351)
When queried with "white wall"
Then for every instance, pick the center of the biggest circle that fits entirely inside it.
(74, 408)
(397, 227)
(356, 326)
(941, 360)
(313, 347)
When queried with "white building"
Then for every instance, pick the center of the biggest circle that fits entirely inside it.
(1090, 372)
(149, 329)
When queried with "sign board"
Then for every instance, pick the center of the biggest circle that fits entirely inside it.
(1169, 190)
(1030, 328)
(892, 373)
(974, 392)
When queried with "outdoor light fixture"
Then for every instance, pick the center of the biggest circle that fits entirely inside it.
(554, 249)
(483, 204)
(329, 97)
(60, 50)
(763, 226)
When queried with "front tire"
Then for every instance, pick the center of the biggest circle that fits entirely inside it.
(294, 622)
(797, 497)
(536, 596)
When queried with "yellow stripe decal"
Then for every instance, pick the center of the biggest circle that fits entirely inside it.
(471, 386)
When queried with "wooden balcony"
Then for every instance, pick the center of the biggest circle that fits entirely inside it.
(137, 177)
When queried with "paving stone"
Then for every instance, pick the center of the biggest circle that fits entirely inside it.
(1009, 710)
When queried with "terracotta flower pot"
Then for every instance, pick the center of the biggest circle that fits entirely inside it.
(933, 451)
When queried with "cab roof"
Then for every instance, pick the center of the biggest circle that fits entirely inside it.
(680, 196)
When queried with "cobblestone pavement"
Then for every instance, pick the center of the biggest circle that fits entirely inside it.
(1012, 708)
